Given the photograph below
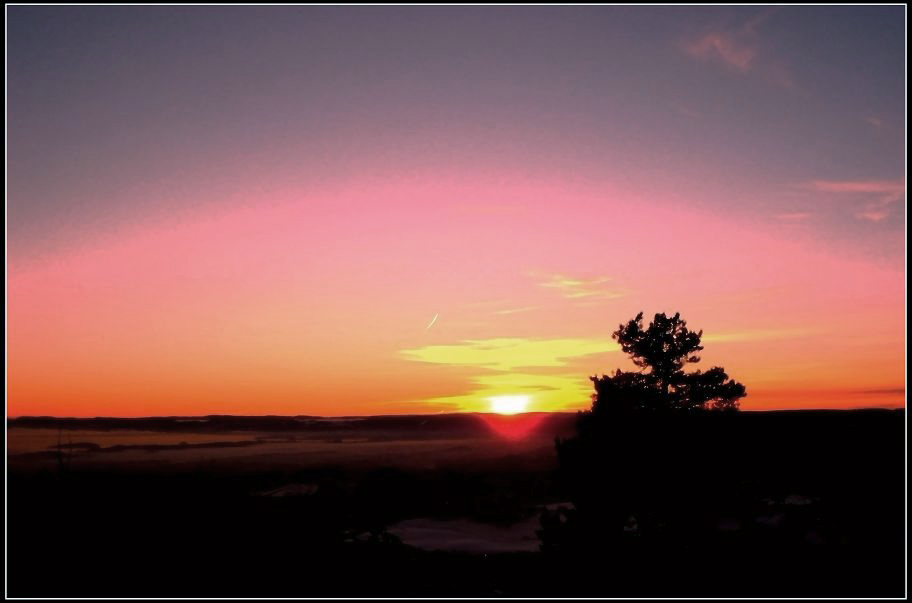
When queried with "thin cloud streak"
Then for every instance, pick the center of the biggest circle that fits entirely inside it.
(572, 287)
(889, 187)
(874, 121)
(546, 393)
(508, 311)
(760, 335)
(887, 193)
(510, 353)
(798, 216)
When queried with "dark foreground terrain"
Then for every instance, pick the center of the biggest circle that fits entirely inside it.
(792, 503)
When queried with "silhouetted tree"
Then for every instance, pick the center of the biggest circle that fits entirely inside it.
(661, 351)
(645, 455)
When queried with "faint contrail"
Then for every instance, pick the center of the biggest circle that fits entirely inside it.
(433, 320)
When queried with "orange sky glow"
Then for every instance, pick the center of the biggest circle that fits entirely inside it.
(291, 306)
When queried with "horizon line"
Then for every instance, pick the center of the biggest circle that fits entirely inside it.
(436, 414)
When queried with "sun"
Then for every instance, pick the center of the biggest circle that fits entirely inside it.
(509, 405)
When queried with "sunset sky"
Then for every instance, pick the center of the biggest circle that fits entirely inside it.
(367, 210)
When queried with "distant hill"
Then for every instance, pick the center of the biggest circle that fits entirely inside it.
(430, 425)
(439, 425)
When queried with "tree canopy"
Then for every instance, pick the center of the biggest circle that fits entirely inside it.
(661, 351)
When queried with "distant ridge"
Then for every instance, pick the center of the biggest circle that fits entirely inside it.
(450, 422)
(215, 417)
(436, 423)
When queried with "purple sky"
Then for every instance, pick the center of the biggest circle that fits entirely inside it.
(739, 107)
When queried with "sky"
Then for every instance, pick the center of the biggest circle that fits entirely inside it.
(370, 210)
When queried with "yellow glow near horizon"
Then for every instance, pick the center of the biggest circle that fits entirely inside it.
(509, 405)
(511, 353)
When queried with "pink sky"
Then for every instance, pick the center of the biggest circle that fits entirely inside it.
(261, 210)
(318, 302)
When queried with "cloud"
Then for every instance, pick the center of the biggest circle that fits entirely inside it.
(506, 363)
(739, 50)
(874, 212)
(724, 47)
(891, 187)
(759, 335)
(498, 360)
(571, 287)
(545, 392)
(734, 47)
(516, 310)
(798, 216)
(880, 195)
(874, 121)
(510, 353)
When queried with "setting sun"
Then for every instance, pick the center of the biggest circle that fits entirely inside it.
(509, 405)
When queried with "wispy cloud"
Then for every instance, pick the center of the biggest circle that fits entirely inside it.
(875, 211)
(516, 366)
(506, 311)
(510, 353)
(759, 335)
(874, 121)
(724, 47)
(733, 46)
(889, 187)
(740, 49)
(574, 287)
(879, 196)
(798, 216)
(545, 392)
